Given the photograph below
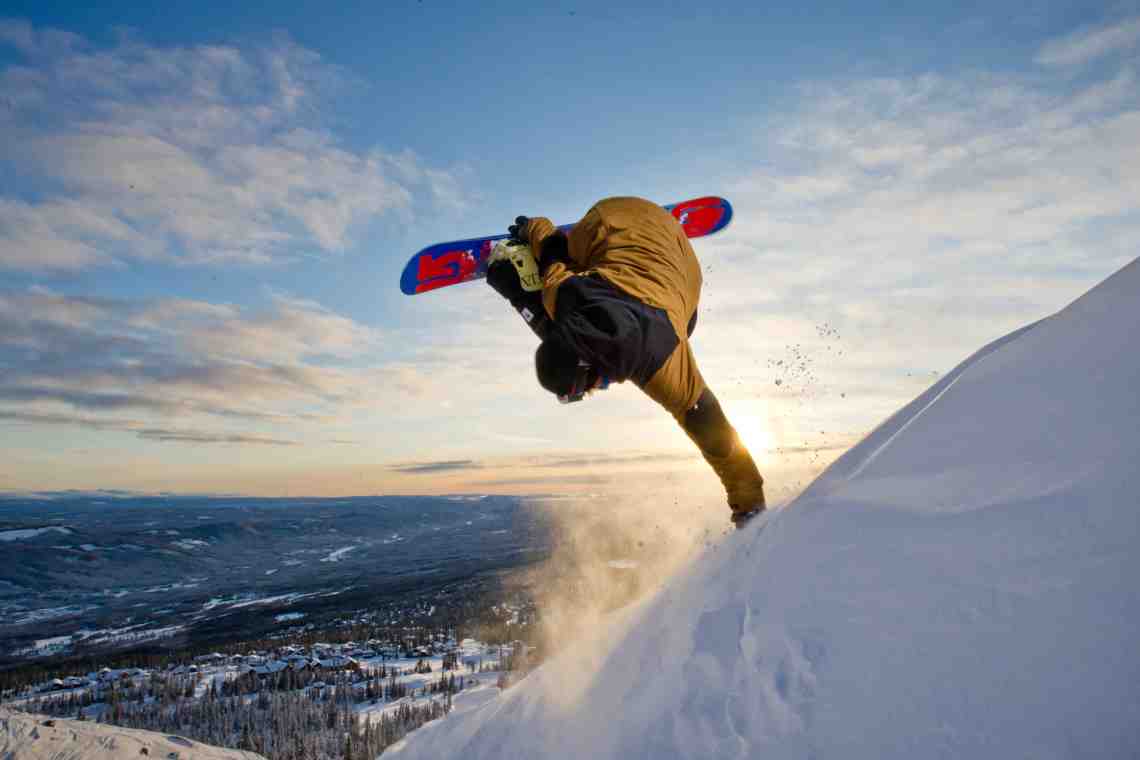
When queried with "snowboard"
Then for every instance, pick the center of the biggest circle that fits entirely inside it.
(443, 264)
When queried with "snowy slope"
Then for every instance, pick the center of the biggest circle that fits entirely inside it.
(962, 583)
(35, 737)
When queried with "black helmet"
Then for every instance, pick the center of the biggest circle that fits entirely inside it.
(561, 372)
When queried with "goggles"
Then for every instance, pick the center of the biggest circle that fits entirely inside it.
(586, 381)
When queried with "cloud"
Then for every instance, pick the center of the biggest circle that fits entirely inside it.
(553, 461)
(615, 460)
(424, 468)
(84, 399)
(292, 329)
(180, 435)
(1087, 45)
(552, 485)
(919, 217)
(88, 361)
(201, 154)
(61, 232)
(890, 198)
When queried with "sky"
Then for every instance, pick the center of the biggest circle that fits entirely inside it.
(205, 210)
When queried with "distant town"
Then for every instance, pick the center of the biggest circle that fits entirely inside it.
(307, 694)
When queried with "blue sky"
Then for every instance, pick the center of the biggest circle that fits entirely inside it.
(206, 209)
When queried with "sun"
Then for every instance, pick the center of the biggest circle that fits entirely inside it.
(750, 421)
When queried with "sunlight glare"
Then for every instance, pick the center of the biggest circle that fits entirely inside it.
(751, 421)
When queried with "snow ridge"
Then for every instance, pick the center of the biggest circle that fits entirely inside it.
(902, 419)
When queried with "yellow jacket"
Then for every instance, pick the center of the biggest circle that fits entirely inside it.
(639, 248)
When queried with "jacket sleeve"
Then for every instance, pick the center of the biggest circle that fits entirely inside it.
(539, 229)
(585, 241)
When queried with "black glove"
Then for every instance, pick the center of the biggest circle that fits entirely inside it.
(504, 278)
(554, 248)
(518, 230)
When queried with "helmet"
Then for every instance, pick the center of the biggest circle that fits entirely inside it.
(561, 372)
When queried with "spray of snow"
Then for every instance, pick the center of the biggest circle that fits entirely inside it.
(607, 554)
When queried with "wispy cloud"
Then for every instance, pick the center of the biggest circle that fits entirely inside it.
(613, 460)
(183, 436)
(553, 461)
(197, 153)
(547, 484)
(428, 468)
(918, 216)
(141, 429)
(89, 361)
(1087, 45)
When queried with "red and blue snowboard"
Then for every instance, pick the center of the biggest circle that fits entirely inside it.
(443, 264)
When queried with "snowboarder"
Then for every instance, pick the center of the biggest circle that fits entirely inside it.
(616, 300)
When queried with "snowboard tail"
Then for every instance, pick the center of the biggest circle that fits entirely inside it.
(443, 264)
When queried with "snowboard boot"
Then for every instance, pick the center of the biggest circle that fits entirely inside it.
(722, 448)
(742, 482)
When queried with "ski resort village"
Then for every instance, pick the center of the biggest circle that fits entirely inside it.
(372, 692)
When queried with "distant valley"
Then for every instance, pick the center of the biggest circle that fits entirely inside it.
(85, 575)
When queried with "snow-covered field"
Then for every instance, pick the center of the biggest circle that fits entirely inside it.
(24, 534)
(49, 613)
(962, 583)
(32, 737)
(338, 555)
